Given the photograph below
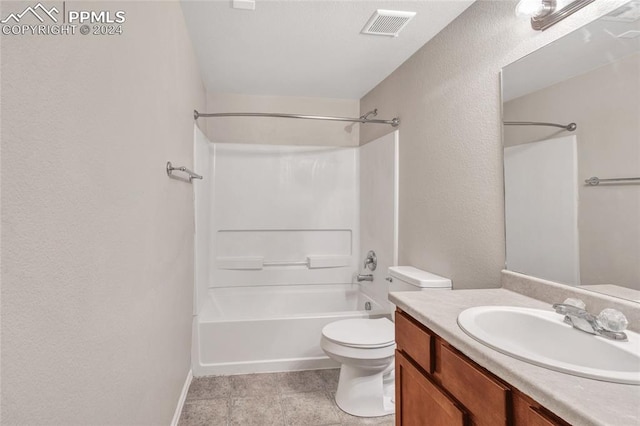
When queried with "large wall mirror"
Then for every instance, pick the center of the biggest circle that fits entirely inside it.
(572, 192)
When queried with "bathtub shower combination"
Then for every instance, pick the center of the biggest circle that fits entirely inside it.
(277, 250)
(254, 329)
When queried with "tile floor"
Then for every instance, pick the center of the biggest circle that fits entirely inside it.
(304, 398)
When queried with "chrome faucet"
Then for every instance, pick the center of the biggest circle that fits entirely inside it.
(361, 278)
(582, 320)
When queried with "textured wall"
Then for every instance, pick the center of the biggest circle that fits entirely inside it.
(282, 131)
(97, 242)
(604, 104)
(448, 98)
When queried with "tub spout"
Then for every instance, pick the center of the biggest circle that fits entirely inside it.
(361, 278)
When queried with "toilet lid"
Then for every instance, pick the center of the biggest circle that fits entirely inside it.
(361, 333)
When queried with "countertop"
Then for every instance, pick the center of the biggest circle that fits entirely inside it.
(577, 400)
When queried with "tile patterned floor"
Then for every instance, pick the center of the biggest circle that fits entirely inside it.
(299, 398)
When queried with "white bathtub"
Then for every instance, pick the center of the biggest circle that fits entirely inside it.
(271, 328)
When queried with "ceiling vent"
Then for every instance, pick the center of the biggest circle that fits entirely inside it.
(387, 22)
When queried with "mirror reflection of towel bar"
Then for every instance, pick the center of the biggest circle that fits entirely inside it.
(570, 127)
(593, 181)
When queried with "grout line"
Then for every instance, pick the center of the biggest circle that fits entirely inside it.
(279, 381)
(280, 401)
(284, 416)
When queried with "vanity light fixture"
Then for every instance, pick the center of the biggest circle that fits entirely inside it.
(544, 13)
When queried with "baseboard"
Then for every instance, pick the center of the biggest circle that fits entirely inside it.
(183, 397)
(265, 366)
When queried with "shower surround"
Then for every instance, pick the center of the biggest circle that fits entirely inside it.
(277, 249)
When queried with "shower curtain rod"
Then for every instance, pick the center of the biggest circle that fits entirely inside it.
(570, 127)
(393, 122)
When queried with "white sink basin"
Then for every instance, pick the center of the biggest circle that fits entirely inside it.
(542, 338)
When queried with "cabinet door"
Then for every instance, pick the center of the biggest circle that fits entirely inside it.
(420, 402)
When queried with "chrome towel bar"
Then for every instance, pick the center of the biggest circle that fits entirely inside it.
(593, 181)
(191, 174)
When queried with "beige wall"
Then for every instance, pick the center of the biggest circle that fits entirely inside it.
(282, 131)
(97, 241)
(448, 98)
(605, 106)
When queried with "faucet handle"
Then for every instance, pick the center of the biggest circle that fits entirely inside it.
(567, 309)
(612, 320)
(371, 261)
(575, 302)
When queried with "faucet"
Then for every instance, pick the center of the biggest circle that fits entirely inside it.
(582, 320)
(361, 278)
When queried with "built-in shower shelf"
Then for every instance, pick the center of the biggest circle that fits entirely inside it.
(327, 261)
(258, 262)
(243, 263)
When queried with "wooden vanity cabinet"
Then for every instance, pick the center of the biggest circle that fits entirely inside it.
(438, 385)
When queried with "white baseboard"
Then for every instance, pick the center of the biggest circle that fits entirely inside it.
(266, 366)
(183, 397)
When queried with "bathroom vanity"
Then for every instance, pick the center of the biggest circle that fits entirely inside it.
(444, 377)
(438, 385)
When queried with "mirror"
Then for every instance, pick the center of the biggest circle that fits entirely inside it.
(560, 227)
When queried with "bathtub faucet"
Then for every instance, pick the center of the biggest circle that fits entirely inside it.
(361, 278)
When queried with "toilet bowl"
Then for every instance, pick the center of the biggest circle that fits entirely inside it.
(365, 349)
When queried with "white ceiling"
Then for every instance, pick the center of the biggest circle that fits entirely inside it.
(306, 47)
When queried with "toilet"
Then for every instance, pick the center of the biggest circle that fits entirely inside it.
(365, 349)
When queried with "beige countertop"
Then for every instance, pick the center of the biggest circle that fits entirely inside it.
(579, 401)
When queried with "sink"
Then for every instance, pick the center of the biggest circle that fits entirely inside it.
(542, 338)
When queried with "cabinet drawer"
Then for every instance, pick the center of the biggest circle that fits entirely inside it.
(414, 341)
(485, 398)
(527, 412)
(538, 417)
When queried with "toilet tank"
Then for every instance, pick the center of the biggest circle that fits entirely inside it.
(408, 278)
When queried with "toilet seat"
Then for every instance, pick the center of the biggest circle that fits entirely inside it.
(361, 333)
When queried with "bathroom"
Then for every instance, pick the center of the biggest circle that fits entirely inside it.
(99, 287)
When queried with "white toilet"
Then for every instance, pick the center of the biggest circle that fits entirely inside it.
(365, 349)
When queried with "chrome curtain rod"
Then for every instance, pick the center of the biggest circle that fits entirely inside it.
(393, 122)
(570, 127)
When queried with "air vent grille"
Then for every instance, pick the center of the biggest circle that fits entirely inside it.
(387, 22)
